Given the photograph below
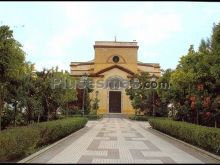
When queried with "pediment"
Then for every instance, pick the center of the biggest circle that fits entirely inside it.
(112, 67)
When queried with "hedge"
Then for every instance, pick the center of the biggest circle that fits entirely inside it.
(93, 117)
(139, 117)
(204, 137)
(90, 117)
(22, 141)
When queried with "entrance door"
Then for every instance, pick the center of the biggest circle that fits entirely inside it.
(114, 102)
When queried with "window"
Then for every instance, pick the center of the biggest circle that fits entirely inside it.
(115, 59)
(114, 83)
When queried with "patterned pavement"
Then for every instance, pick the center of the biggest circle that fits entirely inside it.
(118, 140)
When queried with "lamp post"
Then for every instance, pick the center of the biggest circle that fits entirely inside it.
(84, 78)
(96, 93)
(1, 106)
(153, 78)
(96, 100)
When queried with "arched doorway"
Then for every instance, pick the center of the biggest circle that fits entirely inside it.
(114, 85)
(114, 101)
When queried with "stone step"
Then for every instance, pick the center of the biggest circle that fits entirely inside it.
(115, 115)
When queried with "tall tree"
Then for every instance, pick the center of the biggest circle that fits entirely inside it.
(55, 91)
(141, 93)
(215, 55)
(11, 62)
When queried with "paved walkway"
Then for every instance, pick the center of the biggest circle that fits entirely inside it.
(115, 140)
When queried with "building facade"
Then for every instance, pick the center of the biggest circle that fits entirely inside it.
(113, 63)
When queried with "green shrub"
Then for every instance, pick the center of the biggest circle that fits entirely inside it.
(93, 117)
(19, 142)
(90, 117)
(54, 130)
(138, 117)
(207, 138)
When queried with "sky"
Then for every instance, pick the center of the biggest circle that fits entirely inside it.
(57, 33)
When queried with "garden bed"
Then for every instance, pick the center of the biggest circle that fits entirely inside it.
(90, 117)
(139, 117)
(204, 137)
(19, 142)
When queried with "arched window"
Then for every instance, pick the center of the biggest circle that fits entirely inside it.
(114, 83)
(116, 59)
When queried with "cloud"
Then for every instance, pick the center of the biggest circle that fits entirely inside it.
(82, 21)
(69, 29)
(151, 54)
(151, 28)
(48, 64)
(78, 20)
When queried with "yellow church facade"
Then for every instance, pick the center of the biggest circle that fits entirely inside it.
(113, 61)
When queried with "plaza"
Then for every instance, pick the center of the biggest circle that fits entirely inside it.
(119, 140)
